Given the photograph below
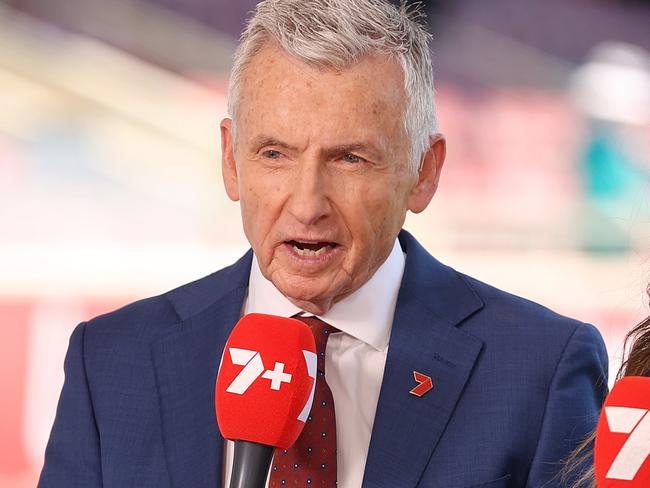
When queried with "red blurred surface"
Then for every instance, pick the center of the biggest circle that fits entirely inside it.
(14, 337)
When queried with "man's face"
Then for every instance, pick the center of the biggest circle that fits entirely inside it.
(319, 164)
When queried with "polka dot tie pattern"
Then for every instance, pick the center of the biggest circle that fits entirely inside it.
(311, 461)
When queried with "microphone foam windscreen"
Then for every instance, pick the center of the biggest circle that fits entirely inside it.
(266, 381)
(623, 436)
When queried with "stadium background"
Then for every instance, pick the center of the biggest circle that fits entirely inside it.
(110, 186)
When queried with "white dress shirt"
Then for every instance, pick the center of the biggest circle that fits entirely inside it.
(354, 359)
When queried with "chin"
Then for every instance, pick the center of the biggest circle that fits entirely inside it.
(303, 293)
(299, 289)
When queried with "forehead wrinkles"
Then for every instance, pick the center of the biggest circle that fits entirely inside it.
(277, 85)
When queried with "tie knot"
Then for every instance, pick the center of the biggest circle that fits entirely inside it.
(321, 331)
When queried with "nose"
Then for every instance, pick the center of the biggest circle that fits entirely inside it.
(309, 202)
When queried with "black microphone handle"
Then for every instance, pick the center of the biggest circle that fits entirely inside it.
(251, 463)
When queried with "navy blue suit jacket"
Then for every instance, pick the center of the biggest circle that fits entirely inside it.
(516, 387)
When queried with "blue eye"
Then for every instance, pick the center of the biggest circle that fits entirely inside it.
(272, 154)
(352, 158)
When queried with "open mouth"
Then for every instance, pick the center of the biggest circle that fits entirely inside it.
(311, 249)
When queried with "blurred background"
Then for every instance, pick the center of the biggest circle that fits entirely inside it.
(111, 190)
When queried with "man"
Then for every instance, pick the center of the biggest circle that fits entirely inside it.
(332, 139)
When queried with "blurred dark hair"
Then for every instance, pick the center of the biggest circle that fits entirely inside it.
(636, 363)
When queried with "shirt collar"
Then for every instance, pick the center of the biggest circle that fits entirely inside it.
(366, 314)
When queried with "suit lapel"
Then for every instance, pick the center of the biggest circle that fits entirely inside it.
(432, 301)
(186, 362)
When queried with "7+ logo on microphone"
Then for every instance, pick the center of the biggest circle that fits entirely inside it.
(635, 451)
(253, 369)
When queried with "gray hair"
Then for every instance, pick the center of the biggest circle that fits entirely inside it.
(336, 34)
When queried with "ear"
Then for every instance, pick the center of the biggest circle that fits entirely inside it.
(228, 163)
(428, 175)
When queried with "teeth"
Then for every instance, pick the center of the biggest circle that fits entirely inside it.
(309, 252)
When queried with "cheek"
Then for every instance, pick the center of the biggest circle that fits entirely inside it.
(393, 208)
(374, 212)
(261, 204)
(253, 210)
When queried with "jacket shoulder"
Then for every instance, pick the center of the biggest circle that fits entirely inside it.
(147, 318)
(494, 315)
(515, 315)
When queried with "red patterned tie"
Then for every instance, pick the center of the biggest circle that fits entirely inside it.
(311, 461)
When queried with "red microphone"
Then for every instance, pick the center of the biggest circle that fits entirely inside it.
(623, 436)
(264, 391)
